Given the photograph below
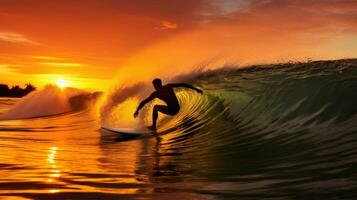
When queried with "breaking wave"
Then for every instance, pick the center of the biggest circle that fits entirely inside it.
(49, 101)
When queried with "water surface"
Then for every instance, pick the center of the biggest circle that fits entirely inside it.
(272, 132)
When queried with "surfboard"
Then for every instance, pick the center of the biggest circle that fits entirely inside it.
(129, 131)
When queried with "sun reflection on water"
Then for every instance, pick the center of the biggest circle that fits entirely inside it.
(54, 172)
(54, 191)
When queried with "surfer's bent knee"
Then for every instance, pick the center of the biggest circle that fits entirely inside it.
(173, 111)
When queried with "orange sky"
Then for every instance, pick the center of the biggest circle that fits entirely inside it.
(87, 41)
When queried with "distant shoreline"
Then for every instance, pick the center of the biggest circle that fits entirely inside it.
(15, 91)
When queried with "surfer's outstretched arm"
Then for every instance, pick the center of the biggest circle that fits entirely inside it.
(142, 103)
(185, 85)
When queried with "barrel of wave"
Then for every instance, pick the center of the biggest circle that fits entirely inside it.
(121, 114)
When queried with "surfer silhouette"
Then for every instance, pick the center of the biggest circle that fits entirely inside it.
(166, 94)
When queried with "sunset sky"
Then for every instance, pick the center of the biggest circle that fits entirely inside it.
(85, 42)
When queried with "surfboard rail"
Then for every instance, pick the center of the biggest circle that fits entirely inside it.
(128, 131)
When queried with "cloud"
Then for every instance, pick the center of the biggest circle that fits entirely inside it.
(52, 64)
(300, 15)
(45, 58)
(16, 38)
(8, 67)
(168, 25)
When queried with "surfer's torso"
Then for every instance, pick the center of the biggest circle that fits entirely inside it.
(167, 94)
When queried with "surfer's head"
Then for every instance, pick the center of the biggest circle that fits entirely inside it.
(157, 83)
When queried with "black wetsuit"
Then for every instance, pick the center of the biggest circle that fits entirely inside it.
(167, 95)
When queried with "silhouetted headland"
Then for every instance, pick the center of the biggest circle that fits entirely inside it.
(15, 91)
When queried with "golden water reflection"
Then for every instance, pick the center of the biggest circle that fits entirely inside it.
(101, 163)
(54, 171)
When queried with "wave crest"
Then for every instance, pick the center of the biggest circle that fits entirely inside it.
(51, 100)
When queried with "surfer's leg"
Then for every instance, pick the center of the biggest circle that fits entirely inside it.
(155, 114)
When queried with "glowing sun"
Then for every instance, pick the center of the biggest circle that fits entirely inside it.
(62, 83)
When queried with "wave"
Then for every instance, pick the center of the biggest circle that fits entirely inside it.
(290, 97)
(49, 101)
(284, 129)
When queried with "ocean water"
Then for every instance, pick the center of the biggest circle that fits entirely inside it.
(286, 131)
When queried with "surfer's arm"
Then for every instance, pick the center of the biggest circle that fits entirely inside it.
(142, 103)
(185, 85)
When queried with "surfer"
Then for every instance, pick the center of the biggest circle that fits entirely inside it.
(166, 94)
